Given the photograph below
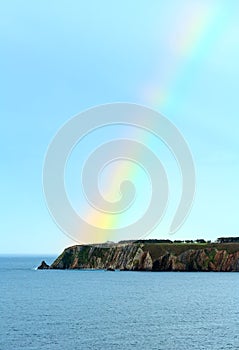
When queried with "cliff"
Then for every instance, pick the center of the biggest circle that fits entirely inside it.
(151, 257)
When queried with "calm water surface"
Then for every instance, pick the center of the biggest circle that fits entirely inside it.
(115, 310)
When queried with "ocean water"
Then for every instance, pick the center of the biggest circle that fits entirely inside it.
(70, 310)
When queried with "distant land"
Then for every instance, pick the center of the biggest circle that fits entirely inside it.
(152, 255)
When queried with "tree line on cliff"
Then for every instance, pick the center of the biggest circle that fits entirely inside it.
(199, 241)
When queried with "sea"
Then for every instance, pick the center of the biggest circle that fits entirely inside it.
(53, 310)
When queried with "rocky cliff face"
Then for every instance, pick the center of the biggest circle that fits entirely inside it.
(151, 257)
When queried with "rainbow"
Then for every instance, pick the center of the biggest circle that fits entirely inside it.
(197, 30)
(121, 171)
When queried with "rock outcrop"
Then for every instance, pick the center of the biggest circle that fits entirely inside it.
(43, 266)
(150, 257)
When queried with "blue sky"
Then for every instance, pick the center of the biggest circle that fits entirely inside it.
(61, 57)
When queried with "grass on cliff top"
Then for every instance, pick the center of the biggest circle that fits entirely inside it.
(157, 249)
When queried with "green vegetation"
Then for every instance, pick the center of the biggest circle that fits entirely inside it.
(67, 259)
(83, 254)
(157, 249)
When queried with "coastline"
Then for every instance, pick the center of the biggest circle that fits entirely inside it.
(148, 256)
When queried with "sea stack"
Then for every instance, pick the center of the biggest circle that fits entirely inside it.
(43, 266)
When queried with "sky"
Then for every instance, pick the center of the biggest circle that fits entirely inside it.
(59, 58)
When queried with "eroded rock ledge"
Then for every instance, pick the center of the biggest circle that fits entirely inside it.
(150, 257)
